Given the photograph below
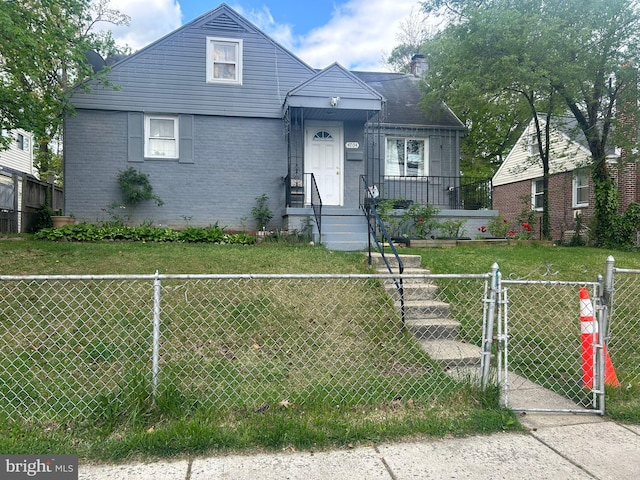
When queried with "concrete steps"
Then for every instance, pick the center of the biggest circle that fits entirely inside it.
(427, 318)
(344, 229)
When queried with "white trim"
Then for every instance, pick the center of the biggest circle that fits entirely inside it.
(147, 137)
(237, 61)
(425, 156)
(574, 188)
(535, 194)
(311, 127)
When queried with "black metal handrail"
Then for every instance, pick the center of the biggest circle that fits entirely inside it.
(298, 189)
(368, 203)
(316, 203)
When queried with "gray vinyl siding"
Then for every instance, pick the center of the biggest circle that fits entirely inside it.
(219, 186)
(170, 75)
(336, 82)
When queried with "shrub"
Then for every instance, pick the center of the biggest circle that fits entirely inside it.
(421, 215)
(136, 187)
(86, 232)
(261, 213)
(498, 226)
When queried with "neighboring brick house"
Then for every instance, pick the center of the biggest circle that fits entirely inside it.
(217, 113)
(517, 185)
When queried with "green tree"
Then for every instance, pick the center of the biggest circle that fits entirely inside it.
(507, 84)
(43, 52)
(571, 53)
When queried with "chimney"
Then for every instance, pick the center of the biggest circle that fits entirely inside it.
(418, 65)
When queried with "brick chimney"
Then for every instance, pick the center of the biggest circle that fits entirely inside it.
(418, 65)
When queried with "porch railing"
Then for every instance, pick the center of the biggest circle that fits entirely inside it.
(297, 191)
(456, 193)
(377, 229)
(316, 202)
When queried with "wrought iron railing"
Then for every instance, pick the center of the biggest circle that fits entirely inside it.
(368, 201)
(316, 201)
(456, 193)
(299, 191)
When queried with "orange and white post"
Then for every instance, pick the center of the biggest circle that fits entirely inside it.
(589, 329)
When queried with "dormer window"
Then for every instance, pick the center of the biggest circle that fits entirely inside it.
(224, 60)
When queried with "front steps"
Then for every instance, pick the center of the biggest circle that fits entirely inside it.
(427, 318)
(344, 229)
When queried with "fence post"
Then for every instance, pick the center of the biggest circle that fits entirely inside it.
(608, 281)
(156, 336)
(487, 336)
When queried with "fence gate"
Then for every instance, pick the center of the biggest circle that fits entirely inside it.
(544, 360)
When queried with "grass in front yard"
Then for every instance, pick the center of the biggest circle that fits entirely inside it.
(543, 312)
(241, 363)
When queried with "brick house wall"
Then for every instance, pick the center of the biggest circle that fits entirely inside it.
(515, 198)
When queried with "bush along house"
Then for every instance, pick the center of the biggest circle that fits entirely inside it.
(217, 115)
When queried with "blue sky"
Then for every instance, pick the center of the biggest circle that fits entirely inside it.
(356, 33)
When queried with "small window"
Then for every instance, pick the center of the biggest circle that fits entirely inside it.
(533, 148)
(537, 194)
(322, 135)
(581, 188)
(161, 137)
(20, 141)
(405, 157)
(224, 60)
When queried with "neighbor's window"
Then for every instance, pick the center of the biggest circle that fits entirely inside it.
(161, 136)
(537, 194)
(532, 145)
(581, 188)
(406, 157)
(224, 60)
(20, 141)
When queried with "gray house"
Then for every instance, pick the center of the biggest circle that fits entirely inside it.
(217, 114)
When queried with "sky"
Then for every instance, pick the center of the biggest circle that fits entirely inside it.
(358, 34)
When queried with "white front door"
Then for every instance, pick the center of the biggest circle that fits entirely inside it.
(324, 158)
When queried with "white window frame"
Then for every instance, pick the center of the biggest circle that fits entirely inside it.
(536, 194)
(577, 174)
(532, 145)
(237, 62)
(425, 156)
(147, 136)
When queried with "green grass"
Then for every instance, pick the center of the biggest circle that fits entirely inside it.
(244, 365)
(541, 330)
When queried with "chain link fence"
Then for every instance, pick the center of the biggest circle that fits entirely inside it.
(81, 346)
(544, 336)
(624, 326)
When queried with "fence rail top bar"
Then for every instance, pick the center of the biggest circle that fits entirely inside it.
(626, 270)
(548, 282)
(245, 276)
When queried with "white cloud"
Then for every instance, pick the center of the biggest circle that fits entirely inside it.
(280, 32)
(359, 33)
(150, 21)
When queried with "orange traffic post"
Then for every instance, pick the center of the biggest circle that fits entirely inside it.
(589, 329)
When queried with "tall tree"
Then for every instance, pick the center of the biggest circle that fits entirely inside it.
(573, 50)
(43, 51)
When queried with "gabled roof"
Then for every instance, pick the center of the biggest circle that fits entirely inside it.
(403, 95)
(338, 83)
(566, 154)
(223, 17)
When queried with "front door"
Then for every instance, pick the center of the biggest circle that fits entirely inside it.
(324, 158)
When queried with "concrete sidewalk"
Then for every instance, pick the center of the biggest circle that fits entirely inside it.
(555, 447)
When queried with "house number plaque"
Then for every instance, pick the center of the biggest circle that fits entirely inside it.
(352, 145)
